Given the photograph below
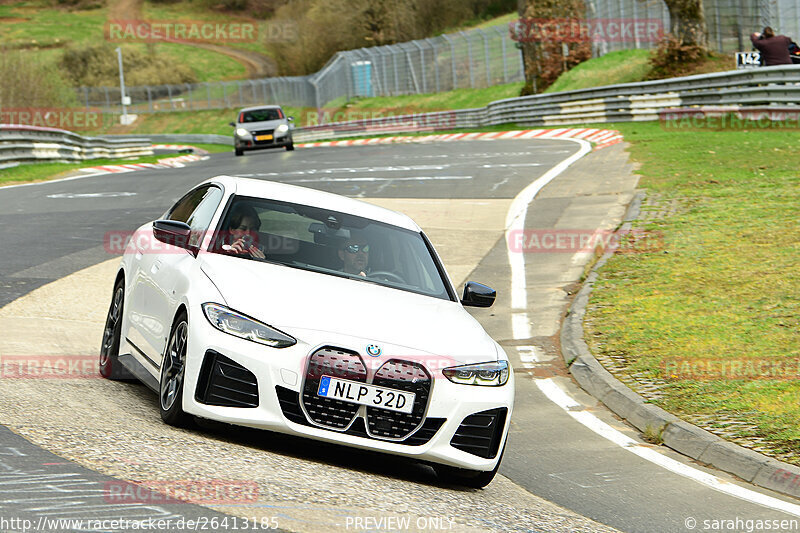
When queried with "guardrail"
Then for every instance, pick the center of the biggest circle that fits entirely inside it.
(25, 144)
(627, 102)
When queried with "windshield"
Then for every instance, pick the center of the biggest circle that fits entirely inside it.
(260, 115)
(331, 243)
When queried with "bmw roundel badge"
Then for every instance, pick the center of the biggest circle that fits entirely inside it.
(374, 350)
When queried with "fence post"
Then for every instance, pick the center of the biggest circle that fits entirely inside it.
(505, 60)
(422, 65)
(208, 96)
(189, 94)
(469, 56)
(108, 99)
(432, 43)
(486, 58)
(452, 58)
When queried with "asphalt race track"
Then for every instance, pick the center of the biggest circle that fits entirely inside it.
(557, 474)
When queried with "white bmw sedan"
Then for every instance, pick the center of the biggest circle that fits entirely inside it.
(284, 308)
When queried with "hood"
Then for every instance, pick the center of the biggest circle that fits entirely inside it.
(318, 308)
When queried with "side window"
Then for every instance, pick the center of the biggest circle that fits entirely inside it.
(182, 210)
(203, 213)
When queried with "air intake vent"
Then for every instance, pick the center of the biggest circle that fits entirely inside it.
(226, 383)
(480, 434)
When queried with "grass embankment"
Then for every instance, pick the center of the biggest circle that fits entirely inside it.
(34, 172)
(725, 291)
(44, 31)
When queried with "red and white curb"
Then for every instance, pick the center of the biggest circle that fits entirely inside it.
(169, 162)
(600, 138)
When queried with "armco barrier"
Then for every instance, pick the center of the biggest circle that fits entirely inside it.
(25, 144)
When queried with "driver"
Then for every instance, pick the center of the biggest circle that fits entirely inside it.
(354, 254)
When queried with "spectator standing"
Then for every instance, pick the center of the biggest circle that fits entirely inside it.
(774, 48)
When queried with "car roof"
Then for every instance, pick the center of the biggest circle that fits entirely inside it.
(251, 108)
(303, 195)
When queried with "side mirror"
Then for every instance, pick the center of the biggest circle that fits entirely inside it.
(232, 124)
(290, 119)
(172, 232)
(477, 295)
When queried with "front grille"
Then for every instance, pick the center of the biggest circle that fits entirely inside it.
(289, 401)
(333, 362)
(226, 383)
(480, 433)
(406, 376)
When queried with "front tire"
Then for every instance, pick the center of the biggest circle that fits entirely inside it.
(173, 371)
(110, 367)
(238, 152)
(290, 147)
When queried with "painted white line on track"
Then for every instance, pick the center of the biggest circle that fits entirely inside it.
(515, 222)
(520, 327)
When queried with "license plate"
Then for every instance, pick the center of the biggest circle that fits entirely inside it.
(263, 137)
(363, 394)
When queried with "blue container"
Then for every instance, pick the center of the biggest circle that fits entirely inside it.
(362, 78)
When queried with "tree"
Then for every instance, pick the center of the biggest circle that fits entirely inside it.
(688, 22)
(548, 28)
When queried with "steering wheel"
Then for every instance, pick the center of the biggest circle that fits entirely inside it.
(388, 276)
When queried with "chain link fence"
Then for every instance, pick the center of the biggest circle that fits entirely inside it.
(468, 59)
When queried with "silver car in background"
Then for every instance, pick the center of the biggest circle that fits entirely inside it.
(262, 127)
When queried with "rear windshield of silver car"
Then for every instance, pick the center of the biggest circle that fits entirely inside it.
(330, 242)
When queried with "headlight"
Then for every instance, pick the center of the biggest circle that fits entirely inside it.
(244, 327)
(283, 128)
(491, 374)
(241, 132)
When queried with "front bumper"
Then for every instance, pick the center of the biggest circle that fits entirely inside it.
(275, 387)
(249, 142)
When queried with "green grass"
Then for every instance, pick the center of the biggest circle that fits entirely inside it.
(214, 121)
(457, 99)
(624, 66)
(726, 285)
(45, 30)
(32, 172)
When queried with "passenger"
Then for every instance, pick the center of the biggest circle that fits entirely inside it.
(243, 228)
